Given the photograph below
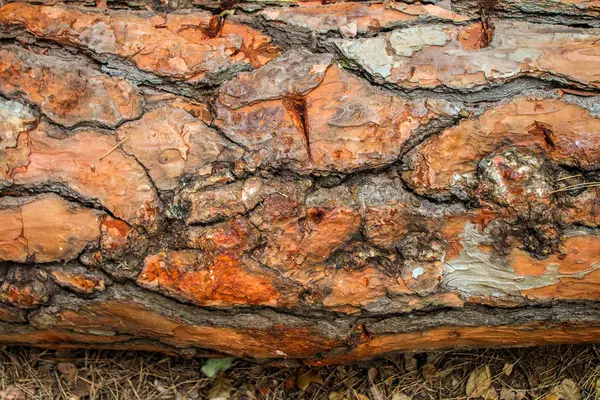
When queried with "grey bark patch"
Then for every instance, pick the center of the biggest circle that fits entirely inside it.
(474, 274)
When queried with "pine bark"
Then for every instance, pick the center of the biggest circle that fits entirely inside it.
(323, 182)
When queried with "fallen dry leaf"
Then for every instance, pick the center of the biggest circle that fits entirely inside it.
(189, 392)
(490, 394)
(479, 381)
(508, 369)
(335, 396)
(567, 390)
(220, 389)
(410, 363)
(375, 393)
(400, 396)
(13, 393)
(159, 386)
(250, 394)
(81, 388)
(68, 371)
(372, 374)
(507, 394)
(304, 379)
(430, 373)
(455, 381)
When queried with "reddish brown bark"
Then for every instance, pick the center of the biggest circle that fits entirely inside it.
(324, 182)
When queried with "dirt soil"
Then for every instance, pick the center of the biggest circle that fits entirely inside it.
(550, 373)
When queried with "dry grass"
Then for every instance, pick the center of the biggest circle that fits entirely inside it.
(142, 376)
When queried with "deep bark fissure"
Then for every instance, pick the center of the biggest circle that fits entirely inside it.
(296, 106)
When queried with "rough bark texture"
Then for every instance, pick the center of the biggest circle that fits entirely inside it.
(317, 181)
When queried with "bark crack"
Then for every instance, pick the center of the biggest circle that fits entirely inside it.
(296, 106)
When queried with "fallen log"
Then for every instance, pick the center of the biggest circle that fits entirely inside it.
(318, 181)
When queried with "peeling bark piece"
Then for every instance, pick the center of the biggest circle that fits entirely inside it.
(299, 237)
(326, 230)
(221, 280)
(10, 314)
(289, 338)
(478, 274)
(172, 144)
(422, 277)
(178, 47)
(112, 4)
(552, 11)
(527, 334)
(397, 220)
(446, 160)
(269, 129)
(77, 278)
(517, 183)
(15, 118)
(212, 204)
(387, 210)
(373, 53)
(352, 19)
(257, 47)
(342, 125)
(117, 182)
(442, 56)
(317, 120)
(296, 72)
(516, 178)
(67, 92)
(232, 235)
(332, 218)
(353, 125)
(26, 288)
(45, 229)
(582, 209)
(369, 290)
(263, 110)
(116, 235)
(13, 246)
(353, 290)
(359, 279)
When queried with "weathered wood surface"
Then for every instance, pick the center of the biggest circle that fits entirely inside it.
(325, 182)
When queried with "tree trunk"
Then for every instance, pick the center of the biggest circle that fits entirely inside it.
(326, 182)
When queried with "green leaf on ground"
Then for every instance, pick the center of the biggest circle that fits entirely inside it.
(213, 366)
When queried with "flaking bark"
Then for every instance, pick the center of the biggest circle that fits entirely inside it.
(323, 182)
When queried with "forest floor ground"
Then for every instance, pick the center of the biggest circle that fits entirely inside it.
(550, 373)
